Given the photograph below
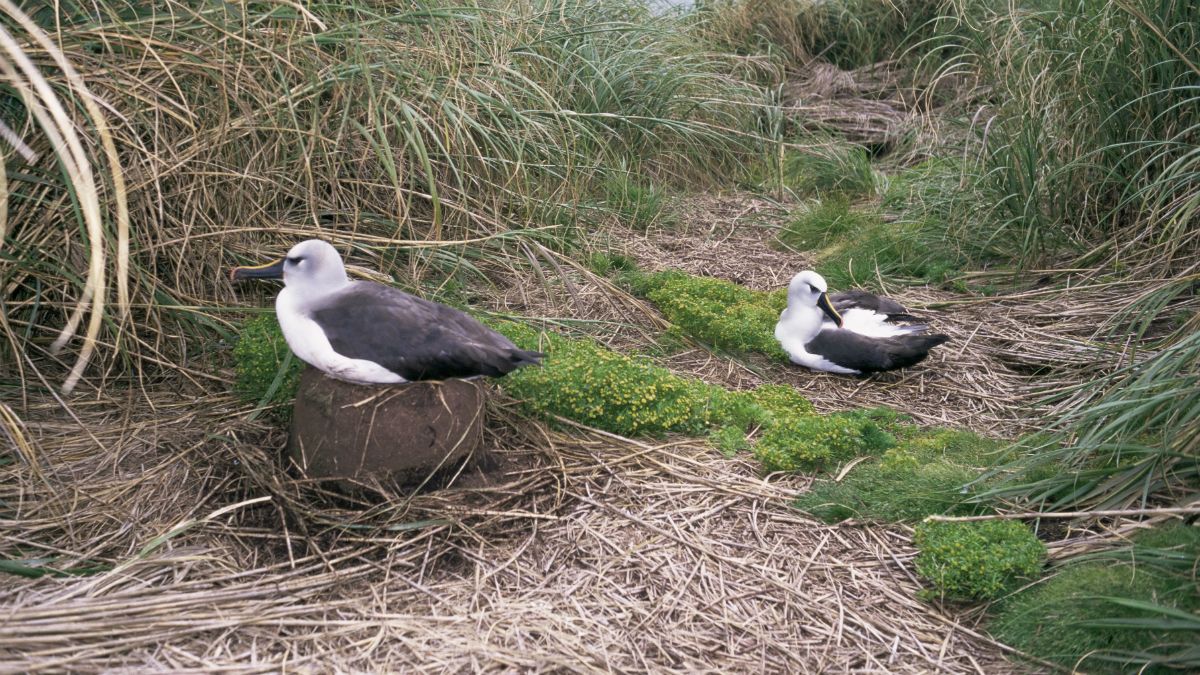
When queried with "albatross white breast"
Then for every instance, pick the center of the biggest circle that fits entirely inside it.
(368, 333)
(858, 340)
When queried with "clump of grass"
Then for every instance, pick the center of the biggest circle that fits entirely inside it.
(830, 169)
(1132, 609)
(436, 122)
(826, 222)
(717, 312)
(1131, 434)
(267, 372)
(638, 203)
(607, 264)
(921, 473)
(901, 251)
(849, 33)
(971, 561)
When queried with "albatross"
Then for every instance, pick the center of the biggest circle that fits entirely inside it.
(858, 341)
(369, 333)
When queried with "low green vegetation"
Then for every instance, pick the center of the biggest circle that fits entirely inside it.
(982, 560)
(584, 381)
(829, 169)
(267, 372)
(719, 313)
(854, 245)
(826, 223)
(637, 202)
(922, 473)
(1136, 608)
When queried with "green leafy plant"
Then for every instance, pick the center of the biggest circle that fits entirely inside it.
(717, 312)
(267, 372)
(585, 381)
(976, 560)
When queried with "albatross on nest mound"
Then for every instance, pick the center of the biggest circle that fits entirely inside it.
(368, 333)
(860, 341)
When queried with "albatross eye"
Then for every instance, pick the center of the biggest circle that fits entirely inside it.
(295, 259)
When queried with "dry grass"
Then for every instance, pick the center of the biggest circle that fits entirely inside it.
(591, 553)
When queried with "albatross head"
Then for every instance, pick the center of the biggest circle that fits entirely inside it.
(312, 264)
(808, 289)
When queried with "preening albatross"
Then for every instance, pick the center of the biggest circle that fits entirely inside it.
(369, 333)
(860, 341)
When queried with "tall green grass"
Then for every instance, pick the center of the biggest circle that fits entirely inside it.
(1087, 146)
(431, 134)
(847, 33)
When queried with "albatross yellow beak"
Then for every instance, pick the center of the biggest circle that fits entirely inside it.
(827, 307)
(271, 270)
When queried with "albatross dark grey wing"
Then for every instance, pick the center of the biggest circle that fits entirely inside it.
(414, 338)
(879, 304)
(871, 354)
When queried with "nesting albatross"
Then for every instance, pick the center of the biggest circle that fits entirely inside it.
(368, 333)
(863, 341)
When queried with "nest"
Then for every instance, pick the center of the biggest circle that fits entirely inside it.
(581, 551)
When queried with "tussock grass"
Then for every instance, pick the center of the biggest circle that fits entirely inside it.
(417, 136)
(849, 33)
(1134, 607)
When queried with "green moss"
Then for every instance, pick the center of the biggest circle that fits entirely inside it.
(921, 473)
(781, 400)
(977, 560)
(584, 381)
(717, 312)
(799, 439)
(267, 372)
(1114, 612)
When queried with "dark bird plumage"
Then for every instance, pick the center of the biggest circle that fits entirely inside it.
(414, 338)
(858, 298)
(369, 333)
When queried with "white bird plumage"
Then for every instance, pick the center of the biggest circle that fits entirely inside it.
(369, 333)
(854, 341)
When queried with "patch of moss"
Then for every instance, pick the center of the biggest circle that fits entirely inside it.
(1133, 609)
(717, 312)
(781, 400)
(921, 473)
(809, 442)
(584, 381)
(267, 372)
(977, 560)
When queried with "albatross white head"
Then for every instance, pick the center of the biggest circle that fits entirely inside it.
(807, 293)
(310, 267)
